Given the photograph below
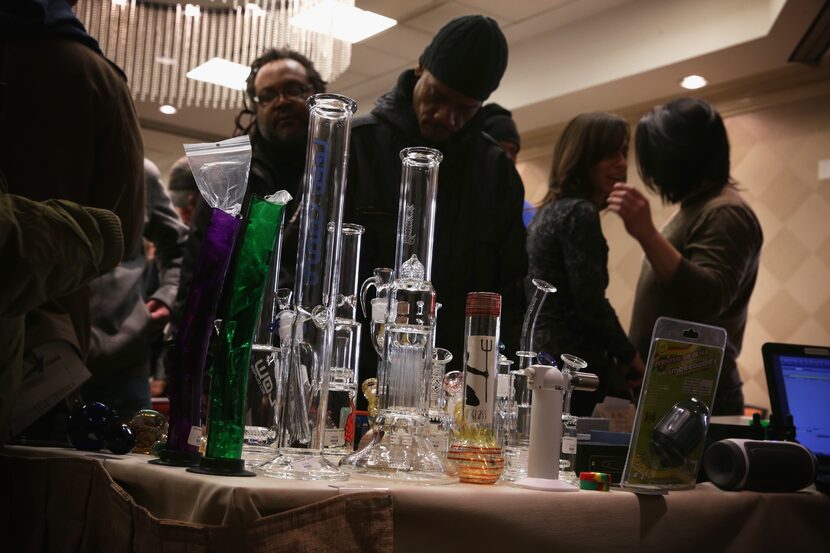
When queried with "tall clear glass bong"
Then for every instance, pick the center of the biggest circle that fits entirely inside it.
(316, 286)
(339, 432)
(400, 448)
(517, 437)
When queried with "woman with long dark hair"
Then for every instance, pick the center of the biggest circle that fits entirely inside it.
(566, 248)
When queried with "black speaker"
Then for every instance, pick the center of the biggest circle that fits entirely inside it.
(763, 466)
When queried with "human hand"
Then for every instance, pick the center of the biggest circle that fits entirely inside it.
(633, 208)
(159, 313)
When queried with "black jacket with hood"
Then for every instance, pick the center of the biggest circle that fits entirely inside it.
(479, 236)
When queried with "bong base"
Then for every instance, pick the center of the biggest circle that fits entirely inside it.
(301, 464)
(408, 477)
(545, 485)
(400, 451)
(255, 455)
(221, 467)
(171, 458)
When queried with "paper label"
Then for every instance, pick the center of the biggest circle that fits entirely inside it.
(568, 445)
(51, 373)
(480, 379)
(332, 437)
(438, 438)
(195, 436)
(312, 463)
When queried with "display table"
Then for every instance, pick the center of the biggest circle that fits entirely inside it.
(63, 496)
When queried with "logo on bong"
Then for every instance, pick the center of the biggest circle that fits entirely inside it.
(316, 224)
(262, 372)
(409, 225)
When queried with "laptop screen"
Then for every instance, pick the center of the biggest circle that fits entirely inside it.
(798, 378)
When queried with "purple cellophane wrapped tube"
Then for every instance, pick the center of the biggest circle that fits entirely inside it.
(190, 353)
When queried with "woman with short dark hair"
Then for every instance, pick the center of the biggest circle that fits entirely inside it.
(702, 266)
(566, 248)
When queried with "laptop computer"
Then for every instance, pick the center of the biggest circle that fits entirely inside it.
(798, 378)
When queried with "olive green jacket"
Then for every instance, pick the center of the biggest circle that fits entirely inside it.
(48, 249)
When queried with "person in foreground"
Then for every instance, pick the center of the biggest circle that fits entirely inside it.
(68, 131)
(702, 266)
(55, 247)
(567, 249)
(479, 236)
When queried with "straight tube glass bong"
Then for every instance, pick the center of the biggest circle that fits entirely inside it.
(265, 383)
(339, 432)
(315, 292)
(400, 447)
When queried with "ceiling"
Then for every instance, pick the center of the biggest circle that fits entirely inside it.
(566, 56)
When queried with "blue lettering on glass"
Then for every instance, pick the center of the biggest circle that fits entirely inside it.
(316, 228)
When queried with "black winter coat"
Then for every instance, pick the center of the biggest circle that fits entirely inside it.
(479, 236)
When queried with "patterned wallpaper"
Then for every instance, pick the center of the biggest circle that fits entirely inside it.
(775, 155)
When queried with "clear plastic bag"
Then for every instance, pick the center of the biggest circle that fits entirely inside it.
(221, 171)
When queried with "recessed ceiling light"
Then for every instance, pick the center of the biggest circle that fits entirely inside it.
(343, 22)
(693, 82)
(165, 60)
(222, 72)
(167, 109)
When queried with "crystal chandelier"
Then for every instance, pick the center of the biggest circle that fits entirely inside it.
(158, 42)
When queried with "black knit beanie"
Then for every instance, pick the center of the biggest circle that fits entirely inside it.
(469, 55)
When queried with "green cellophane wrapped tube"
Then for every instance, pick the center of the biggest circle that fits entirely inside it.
(229, 370)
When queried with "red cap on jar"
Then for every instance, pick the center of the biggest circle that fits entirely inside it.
(484, 303)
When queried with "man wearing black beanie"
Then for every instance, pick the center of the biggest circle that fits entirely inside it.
(479, 236)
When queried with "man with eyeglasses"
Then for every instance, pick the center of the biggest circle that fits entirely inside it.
(275, 117)
(479, 236)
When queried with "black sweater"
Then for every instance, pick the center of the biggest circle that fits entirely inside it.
(567, 249)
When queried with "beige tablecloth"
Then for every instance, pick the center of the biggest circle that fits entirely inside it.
(166, 504)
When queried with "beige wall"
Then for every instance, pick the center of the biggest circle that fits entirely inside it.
(776, 148)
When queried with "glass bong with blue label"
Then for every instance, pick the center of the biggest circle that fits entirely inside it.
(307, 328)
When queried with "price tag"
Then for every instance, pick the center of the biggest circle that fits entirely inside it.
(332, 437)
(568, 445)
(312, 463)
(438, 438)
(195, 436)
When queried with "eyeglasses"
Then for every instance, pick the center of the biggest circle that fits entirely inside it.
(289, 92)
